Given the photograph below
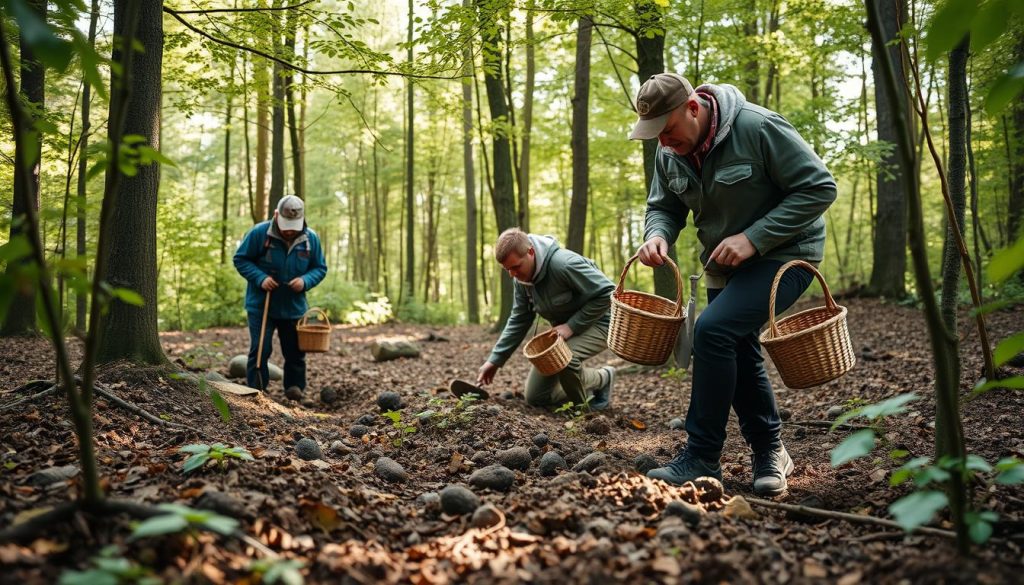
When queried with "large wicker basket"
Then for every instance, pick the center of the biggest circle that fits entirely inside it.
(644, 327)
(548, 352)
(811, 347)
(314, 337)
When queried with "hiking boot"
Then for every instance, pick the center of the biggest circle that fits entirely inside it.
(686, 467)
(603, 394)
(770, 471)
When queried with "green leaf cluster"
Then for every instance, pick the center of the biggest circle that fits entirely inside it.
(179, 518)
(219, 452)
(110, 569)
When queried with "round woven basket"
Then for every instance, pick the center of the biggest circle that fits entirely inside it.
(548, 352)
(811, 347)
(644, 327)
(314, 337)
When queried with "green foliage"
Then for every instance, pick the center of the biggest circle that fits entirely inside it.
(281, 570)
(853, 447)
(415, 311)
(459, 414)
(202, 357)
(110, 569)
(675, 374)
(179, 518)
(219, 452)
(575, 413)
(400, 427)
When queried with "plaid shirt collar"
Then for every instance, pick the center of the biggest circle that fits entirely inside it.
(697, 156)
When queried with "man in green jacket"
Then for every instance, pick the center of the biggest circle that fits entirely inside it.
(757, 193)
(574, 296)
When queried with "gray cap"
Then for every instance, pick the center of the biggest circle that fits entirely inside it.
(291, 214)
(657, 97)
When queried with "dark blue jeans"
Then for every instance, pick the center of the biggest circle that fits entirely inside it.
(728, 368)
(294, 359)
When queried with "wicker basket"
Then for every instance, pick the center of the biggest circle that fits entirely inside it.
(810, 347)
(644, 327)
(548, 352)
(314, 337)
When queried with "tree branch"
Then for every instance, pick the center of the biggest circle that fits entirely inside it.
(266, 9)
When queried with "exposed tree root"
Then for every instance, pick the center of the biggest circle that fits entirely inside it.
(51, 390)
(853, 518)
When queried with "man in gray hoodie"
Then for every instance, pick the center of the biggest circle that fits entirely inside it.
(571, 293)
(757, 193)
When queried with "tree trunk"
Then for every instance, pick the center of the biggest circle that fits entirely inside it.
(408, 290)
(524, 161)
(130, 332)
(293, 124)
(21, 314)
(888, 272)
(245, 135)
(752, 67)
(83, 169)
(1015, 203)
(472, 295)
(580, 142)
(277, 129)
(262, 82)
(227, 178)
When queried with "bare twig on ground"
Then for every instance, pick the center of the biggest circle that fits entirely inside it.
(51, 390)
(826, 424)
(853, 518)
(140, 411)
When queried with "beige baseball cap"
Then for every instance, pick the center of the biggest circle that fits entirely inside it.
(291, 214)
(657, 97)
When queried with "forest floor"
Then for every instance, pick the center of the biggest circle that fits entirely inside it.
(607, 523)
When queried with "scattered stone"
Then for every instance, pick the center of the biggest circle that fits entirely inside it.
(600, 527)
(485, 516)
(52, 475)
(550, 463)
(215, 377)
(492, 410)
(690, 513)
(389, 401)
(358, 431)
(431, 502)
(308, 450)
(672, 528)
(481, 458)
(328, 395)
(457, 500)
(383, 351)
(785, 414)
(709, 490)
(390, 470)
(221, 503)
(425, 416)
(811, 501)
(515, 458)
(236, 367)
(434, 336)
(590, 462)
(834, 412)
(540, 440)
(676, 424)
(495, 477)
(276, 373)
(340, 448)
(644, 463)
(293, 393)
(413, 539)
(366, 419)
(308, 403)
(598, 426)
(535, 452)
(738, 507)
(508, 395)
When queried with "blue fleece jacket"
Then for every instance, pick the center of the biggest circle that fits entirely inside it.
(264, 253)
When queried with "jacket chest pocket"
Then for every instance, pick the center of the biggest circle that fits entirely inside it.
(686, 191)
(561, 299)
(732, 183)
(268, 262)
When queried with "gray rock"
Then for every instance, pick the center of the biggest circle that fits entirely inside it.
(481, 458)
(508, 395)
(690, 513)
(389, 401)
(52, 475)
(550, 463)
(672, 529)
(308, 403)
(431, 502)
(485, 516)
(676, 424)
(834, 412)
(413, 539)
(276, 373)
(600, 527)
(590, 462)
(644, 463)
(215, 377)
(515, 458)
(328, 395)
(598, 426)
(294, 393)
(535, 452)
(340, 448)
(785, 414)
(366, 419)
(221, 503)
(358, 431)
(308, 449)
(390, 470)
(457, 500)
(495, 477)
(540, 440)
(236, 368)
(383, 351)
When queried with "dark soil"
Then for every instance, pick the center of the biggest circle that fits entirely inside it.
(350, 525)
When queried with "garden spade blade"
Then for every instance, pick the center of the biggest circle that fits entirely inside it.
(461, 387)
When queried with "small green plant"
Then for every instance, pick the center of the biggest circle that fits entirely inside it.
(202, 357)
(278, 570)
(401, 428)
(218, 452)
(575, 413)
(442, 416)
(675, 374)
(178, 518)
(110, 569)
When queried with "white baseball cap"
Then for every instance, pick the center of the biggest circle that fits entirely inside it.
(291, 214)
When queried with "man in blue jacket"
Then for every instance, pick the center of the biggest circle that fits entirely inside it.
(281, 258)
(757, 194)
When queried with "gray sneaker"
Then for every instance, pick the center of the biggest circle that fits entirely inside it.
(686, 467)
(603, 394)
(770, 471)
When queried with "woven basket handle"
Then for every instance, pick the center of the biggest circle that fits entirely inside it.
(829, 301)
(319, 312)
(675, 270)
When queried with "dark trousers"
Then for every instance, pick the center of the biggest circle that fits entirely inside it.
(294, 359)
(728, 368)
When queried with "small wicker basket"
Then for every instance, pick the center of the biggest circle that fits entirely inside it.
(314, 337)
(644, 326)
(811, 347)
(548, 352)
